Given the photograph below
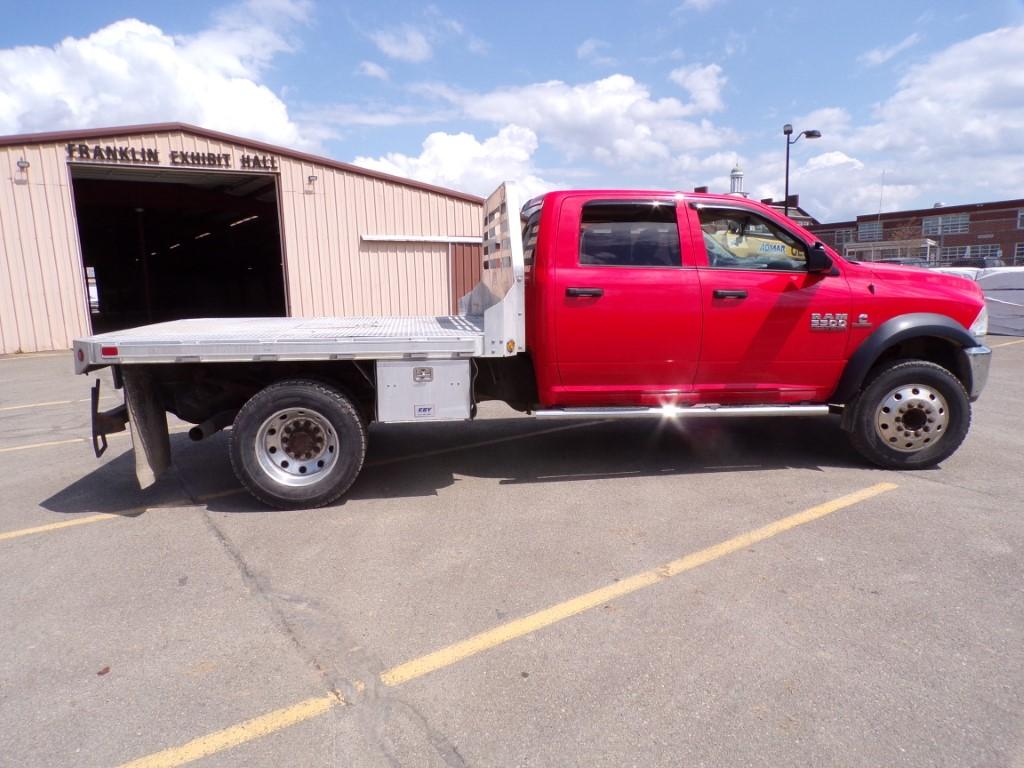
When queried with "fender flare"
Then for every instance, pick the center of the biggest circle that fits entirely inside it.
(891, 332)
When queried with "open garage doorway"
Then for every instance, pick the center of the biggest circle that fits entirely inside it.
(166, 244)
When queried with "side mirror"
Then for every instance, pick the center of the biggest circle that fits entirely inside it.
(818, 262)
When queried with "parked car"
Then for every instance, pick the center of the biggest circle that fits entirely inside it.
(979, 262)
(906, 261)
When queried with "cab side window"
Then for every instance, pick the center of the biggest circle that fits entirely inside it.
(629, 234)
(737, 239)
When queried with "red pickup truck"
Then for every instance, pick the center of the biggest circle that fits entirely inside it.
(592, 303)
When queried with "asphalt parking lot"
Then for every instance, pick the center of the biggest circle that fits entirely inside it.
(514, 593)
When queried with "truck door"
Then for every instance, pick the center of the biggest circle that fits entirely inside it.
(627, 305)
(772, 331)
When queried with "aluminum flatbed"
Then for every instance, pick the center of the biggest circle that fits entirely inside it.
(227, 340)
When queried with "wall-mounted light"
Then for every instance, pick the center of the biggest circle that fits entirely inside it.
(21, 177)
(311, 179)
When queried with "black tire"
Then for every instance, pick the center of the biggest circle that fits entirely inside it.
(298, 426)
(928, 416)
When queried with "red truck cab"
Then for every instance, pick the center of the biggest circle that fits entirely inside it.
(654, 298)
(697, 303)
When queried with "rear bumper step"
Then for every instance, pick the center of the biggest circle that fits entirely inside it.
(691, 412)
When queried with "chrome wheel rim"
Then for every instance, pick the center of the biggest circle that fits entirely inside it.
(297, 447)
(911, 418)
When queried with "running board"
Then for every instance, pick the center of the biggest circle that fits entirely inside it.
(676, 412)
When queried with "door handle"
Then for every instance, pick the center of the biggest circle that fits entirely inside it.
(589, 293)
(723, 293)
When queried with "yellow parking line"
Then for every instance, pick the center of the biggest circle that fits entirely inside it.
(238, 734)
(449, 655)
(33, 356)
(35, 405)
(30, 446)
(130, 512)
(55, 526)
(410, 670)
(1007, 344)
(26, 406)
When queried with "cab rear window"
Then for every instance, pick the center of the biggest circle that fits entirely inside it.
(629, 234)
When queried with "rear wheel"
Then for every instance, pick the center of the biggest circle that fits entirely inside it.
(298, 444)
(910, 415)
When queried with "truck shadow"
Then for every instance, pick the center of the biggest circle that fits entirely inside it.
(419, 460)
(561, 452)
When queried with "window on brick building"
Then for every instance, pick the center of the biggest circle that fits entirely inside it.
(1018, 255)
(869, 231)
(988, 250)
(844, 236)
(950, 224)
(953, 252)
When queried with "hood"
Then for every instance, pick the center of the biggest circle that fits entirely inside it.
(920, 276)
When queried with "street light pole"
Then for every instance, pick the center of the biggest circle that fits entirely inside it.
(787, 130)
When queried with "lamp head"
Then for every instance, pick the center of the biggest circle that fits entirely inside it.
(787, 129)
(812, 134)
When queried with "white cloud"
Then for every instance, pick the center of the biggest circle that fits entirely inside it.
(611, 123)
(442, 28)
(965, 100)
(590, 50)
(833, 122)
(614, 120)
(953, 130)
(704, 84)
(133, 72)
(416, 43)
(461, 161)
(833, 185)
(346, 115)
(372, 69)
(700, 5)
(877, 56)
(405, 43)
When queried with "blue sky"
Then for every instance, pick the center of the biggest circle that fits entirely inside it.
(653, 93)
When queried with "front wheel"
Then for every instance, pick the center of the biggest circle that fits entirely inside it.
(298, 444)
(910, 415)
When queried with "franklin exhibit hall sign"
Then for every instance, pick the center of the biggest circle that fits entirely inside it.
(109, 153)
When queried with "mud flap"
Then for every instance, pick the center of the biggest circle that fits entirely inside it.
(148, 423)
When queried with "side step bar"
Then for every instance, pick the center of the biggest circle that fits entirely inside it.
(676, 412)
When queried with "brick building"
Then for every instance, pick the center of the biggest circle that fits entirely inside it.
(977, 234)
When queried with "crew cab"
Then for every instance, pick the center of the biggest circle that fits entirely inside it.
(607, 303)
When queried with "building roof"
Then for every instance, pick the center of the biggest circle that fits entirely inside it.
(943, 209)
(123, 130)
(835, 225)
(795, 211)
(922, 212)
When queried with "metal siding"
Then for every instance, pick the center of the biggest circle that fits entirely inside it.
(329, 269)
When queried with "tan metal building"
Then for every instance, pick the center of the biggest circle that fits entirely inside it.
(107, 228)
